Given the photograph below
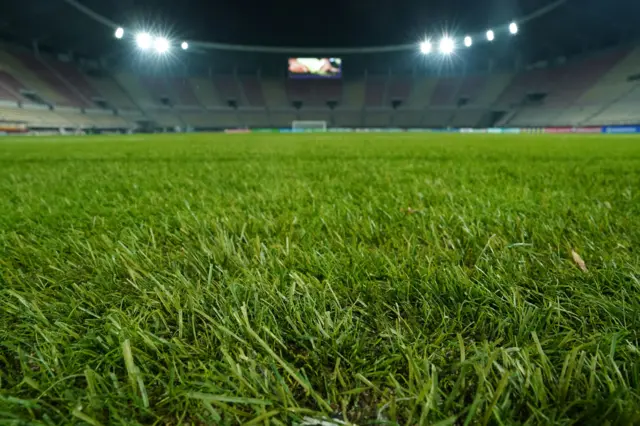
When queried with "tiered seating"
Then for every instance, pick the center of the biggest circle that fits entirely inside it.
(274, 93)
(375, 87)
(299, 91)
(225, 120)
(158, 88)
(131, 117)
(323, 91)
(252, 90)
(353, 94)
(574, 116)
(73, 76)
(534, 117)
(467, 117)
(10, 87)
(613, 84)
(437, 118)
(29, 79)
(108, 121)
(494, 86)
(165, 118)
(282, 119)
(316, 115)
(569, 82)
(377, 119)
(408, 118)
(131, 83)
(255, 119)
(183, 92)
(198, 119)
(521, 85)
(69, 97)
(444, 93)
(76, 118)
(349, 119)
(205, 91)
(111, 92)
(625, 110)
(470, 87)
(40, 118)
(422, 92)
(228, 88)
(399, 89)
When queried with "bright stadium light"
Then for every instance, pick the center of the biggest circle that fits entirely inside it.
(468, 41)
(161, 44)
(513, 28)
(184, 45)
(425, 47)
(446, 46)
(143, 40)
(120, 33)
(490, 35)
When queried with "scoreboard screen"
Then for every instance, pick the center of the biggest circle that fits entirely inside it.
(315, 67)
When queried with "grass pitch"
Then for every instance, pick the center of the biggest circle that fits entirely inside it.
(259, 279)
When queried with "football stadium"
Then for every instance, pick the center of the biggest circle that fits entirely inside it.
(209, 217)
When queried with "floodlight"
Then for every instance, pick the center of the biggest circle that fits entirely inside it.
(490, 35)
(119, 32)
(161, 44)
(143, 40)
(184, 45)
(447, 46)
(513, 28)
(425, 47)
(468, 41)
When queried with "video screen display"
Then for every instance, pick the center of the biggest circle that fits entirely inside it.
(315, 67)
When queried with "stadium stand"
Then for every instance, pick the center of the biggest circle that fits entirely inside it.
(10, 88)
(353, 93)
(493, 87)
(445, 91)
(408, 118)
(67, 96)
(375, 88)
(283, 118)
(422, 92)
(255, 118)
(275, 94)
(349, 118)
(325, 91)
(377, 119)
(206, 92)
(112, 93)
(596, 89)
(197, 119)
(29, 79)
(180, 88)
(299, 91)
(130, 83)
(398, 90)
(252, 90)
(229, 89)
(75, 80)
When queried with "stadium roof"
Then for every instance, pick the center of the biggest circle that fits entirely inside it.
(574, 26)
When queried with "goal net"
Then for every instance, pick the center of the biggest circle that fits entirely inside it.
(309, 126)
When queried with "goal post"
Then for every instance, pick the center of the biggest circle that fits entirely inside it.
(309, 126)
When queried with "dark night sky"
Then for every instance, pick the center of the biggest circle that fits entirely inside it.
(323, 23)
(576, 26)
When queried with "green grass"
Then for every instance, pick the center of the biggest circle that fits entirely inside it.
(260, 279)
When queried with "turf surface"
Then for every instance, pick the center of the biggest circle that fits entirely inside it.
(260, 279)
